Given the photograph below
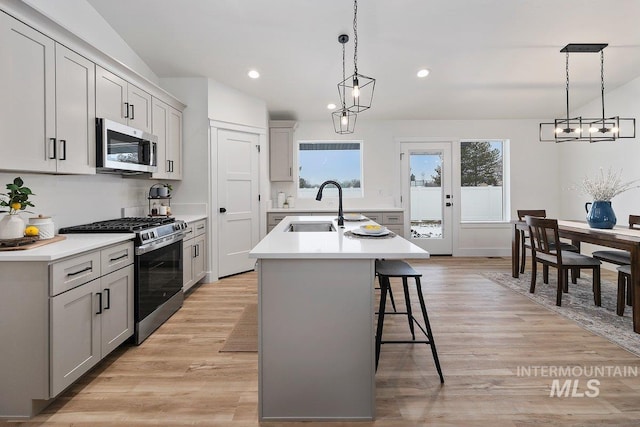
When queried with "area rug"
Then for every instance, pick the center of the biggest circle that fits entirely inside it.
(244, 335)
(578, 306)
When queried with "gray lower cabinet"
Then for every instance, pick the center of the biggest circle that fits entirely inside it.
(59, 319)
(87, 323)
(194, 254)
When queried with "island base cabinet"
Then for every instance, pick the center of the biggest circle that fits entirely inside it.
(316, 357)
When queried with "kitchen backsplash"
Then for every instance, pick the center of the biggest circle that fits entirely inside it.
(78, 199)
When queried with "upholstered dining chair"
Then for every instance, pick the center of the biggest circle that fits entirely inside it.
(543, 233)
(618, 257)
(524, 241)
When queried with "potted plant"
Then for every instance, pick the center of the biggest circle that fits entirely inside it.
(16, 200)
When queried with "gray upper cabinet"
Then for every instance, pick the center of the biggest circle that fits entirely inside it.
(122, 102)
(75, 112)
(48, 107)
(281, 150)
(167, 126)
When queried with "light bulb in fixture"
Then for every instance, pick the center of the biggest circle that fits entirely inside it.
(559, 130)
(356, 88)
(423, 73)
(593, 129)
(614, 130)
(344, 120)
(578, 130)
(253, 74)
(331, 106)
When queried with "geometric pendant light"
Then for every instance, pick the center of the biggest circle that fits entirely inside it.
(344, 121)
(356, 91)
(587, 129)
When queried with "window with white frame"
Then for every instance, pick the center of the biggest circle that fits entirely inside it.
(340, 161)
(482, 180)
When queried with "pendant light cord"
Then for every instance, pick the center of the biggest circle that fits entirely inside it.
(602, 83)
(355, 37)
(344, 105)
(567, 88)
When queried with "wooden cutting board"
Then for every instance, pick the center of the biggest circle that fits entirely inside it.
(32, 245)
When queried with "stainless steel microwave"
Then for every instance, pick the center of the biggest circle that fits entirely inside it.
(123, 148)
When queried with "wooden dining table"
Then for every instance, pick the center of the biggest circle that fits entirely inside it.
(579, 232)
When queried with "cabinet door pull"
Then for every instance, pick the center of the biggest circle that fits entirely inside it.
(99, 303)
(132, 112)
(290, 172)
(193, 252)
(63, 149)
(201, 227)
(79, 271)
(171, 163)
(53, 145)
(126, 107)
(107, 293)
(168, 168)
(119, 257)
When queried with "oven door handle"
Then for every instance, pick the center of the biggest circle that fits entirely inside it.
(141, 250)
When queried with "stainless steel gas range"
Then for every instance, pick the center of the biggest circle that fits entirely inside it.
(158, 266)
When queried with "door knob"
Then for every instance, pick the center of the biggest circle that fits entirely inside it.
(223, 210)
(448, 204)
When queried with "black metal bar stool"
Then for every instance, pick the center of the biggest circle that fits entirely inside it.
(385, 269)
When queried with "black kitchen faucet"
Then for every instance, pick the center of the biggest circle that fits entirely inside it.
(340, 213)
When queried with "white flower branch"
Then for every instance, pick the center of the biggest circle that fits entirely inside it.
(606, 187)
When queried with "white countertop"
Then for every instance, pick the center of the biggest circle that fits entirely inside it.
(331, 244)
(74, 244)
(333, 210)
(190, 217)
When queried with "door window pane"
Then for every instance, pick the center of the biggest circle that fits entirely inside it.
(340, 161)
(482, 193)
(426, 195)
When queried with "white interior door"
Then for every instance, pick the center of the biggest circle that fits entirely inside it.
(427, 197)
(238, 192)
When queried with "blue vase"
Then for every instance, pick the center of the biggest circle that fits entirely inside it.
(600, 215)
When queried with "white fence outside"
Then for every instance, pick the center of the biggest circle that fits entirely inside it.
(476, 204)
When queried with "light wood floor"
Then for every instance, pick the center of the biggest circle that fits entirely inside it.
(483, 331)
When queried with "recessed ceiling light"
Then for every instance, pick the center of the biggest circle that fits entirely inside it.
(423, 73)
(331, 106)
(253, 74)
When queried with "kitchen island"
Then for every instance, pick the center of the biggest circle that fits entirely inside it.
(316, 355)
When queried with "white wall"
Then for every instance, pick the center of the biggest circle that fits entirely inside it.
(584, 159)
(534, 166)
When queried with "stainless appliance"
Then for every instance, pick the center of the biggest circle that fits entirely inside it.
(122, 148)
(158, 266)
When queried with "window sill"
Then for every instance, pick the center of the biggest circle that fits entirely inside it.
(486, 224)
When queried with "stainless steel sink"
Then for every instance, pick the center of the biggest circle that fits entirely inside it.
(311, 226)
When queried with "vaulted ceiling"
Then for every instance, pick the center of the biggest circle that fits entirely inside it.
(488, 58)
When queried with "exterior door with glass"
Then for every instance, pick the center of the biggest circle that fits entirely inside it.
(427, 195)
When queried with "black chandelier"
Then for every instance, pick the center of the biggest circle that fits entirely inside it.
(344, 121)
(356, 91)
(581, 128)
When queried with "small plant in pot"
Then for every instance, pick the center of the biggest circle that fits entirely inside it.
(16, 200)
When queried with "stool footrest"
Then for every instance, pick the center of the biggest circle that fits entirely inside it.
(404, 342)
